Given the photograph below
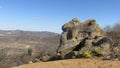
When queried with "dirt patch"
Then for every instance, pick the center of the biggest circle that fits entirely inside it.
(74, 63)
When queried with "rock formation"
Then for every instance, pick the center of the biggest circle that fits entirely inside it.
(77, 35)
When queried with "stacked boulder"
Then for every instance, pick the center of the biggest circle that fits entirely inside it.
(79, 37)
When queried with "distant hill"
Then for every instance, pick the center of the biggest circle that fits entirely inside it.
(34, 39)
(14, 45)
(31, 33)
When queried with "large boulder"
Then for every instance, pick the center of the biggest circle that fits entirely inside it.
(77, 35)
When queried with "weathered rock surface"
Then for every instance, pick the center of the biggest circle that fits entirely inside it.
(77, 35)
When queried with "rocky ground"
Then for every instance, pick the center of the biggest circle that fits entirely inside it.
(74, 63)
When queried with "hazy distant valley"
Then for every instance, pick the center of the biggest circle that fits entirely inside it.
(14, 45)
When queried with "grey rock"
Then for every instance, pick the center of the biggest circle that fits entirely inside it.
(77, 35)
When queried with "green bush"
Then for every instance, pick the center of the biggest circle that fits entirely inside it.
(30, 51)
(97, 51)
(87, 54)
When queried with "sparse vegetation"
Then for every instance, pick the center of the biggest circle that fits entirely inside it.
(23, 48)
(114, 33)
(87, 54)
(97, 51)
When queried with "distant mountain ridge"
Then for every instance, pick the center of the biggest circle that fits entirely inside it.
(31, 33)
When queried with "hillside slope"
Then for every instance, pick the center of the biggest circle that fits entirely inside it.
(16, 44)
(74, 63)
(31, 33)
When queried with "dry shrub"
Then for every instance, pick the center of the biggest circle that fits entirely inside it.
(114, 33)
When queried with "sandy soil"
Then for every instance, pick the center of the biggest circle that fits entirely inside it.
(74, 63)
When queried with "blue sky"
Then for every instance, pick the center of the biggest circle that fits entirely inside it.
(50, 15)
